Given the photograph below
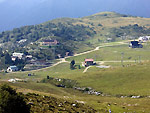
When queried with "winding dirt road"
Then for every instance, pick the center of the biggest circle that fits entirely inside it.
(62, 60)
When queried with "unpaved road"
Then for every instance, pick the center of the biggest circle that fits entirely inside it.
(97, 48)
(62, 60)
(86, 69)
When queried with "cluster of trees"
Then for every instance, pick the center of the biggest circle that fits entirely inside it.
(61, 82)
(5, 60)
(127, 32)
(67, 34)
(72, 64)
(52, 52)
(34, 33)
(131, 30)
(11, 101)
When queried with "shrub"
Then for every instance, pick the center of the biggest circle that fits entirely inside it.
(12, 102)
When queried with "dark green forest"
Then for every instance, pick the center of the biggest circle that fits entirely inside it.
(68, 35)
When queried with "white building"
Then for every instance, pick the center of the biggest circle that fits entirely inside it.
(29, 56)
(13, 58)
(19, 55)
(22, 41)
(15, 80)
(12, 68)
(144, 38)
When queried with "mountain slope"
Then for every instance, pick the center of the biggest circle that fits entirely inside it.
(26, 12)
(74, 34)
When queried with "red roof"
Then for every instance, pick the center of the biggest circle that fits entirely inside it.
(89, 60)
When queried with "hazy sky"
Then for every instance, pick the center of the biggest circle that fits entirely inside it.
(16, 13)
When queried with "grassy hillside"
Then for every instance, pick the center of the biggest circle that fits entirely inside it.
(118, 83)
(107, 80)
(86, 32)
(115, 82)
(115, 54)
(48, 104)
(74, 35)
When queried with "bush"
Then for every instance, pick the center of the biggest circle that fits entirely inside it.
(12, 102)
(72, 63)
(86, 89)
(100, 25)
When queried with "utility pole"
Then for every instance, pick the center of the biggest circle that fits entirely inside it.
(122, 56)
(139, 59)
(135, 60)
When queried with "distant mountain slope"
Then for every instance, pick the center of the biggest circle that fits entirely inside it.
(107, 15)
(16, 13)
(75, 34)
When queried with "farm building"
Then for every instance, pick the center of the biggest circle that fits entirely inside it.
(135, 44)
(19, 55)
(88, 62)
(49, 42)
(12, 68)
(144, 39)
(29, 57)
(22, 41)
(13, 58)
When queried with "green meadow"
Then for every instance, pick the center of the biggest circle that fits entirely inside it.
(116, 53)
(126, 81)
(130, 79)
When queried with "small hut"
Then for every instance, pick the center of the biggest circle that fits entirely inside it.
(12, 68)
(88, 62)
